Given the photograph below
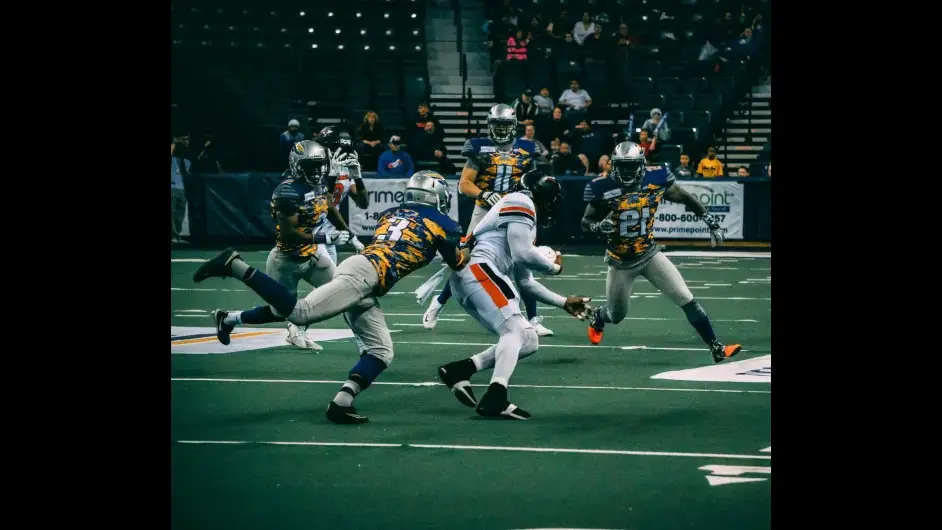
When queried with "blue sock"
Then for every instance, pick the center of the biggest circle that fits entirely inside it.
(530, 304)
(277, 295)
(366, 370)
(260, 315)
(445, 294)
(700, 321)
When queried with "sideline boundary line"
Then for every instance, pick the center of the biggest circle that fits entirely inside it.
(481, 448)
(435, 383)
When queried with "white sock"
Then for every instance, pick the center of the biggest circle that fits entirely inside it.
(508, 352)
(344, 398)
(485, 359)
(234, 318)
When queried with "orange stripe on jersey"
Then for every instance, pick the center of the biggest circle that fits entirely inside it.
(524, 209)
(490, 287)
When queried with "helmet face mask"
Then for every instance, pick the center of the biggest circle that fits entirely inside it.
(501, 124)
(546, 193)
(308, 162)
(312, 170)
(628, 161)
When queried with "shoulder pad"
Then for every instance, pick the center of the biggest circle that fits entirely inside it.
(287, 190)
(525, 145)
(518, 199)
(657, 177)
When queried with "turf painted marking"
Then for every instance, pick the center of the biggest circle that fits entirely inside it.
(722, 475)
(187, 260)
(756, 370)
(186, 340)
(570, 316)
(766, 450)
(708, 254)
(435, 383)
(654, 348)
(484, 448)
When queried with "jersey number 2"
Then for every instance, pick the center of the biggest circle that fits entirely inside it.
(394, 231)
(633, 223)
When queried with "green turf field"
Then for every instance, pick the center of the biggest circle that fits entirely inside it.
(640, 432)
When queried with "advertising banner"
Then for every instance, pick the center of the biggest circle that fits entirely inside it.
(386, 194)
(724, 200)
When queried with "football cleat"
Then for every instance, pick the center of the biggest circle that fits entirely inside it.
(430, 318)
(541, 331)
(222, 329)
(344, 415)
(721, 352)
(298, 337)
(456, 377)
(494, 404)
(217, 267)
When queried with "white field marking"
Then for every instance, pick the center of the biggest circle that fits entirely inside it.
(734, 471)
(714, 254)
(189, 316)
(482, 448)
(569, 316)
(766, 450)
(716, 285)
(435, 383)
(191, 310)
(324, 444)
(717, 480)
(187, 260)
(208, 290)
(595, 298)
(701, 268)
(557, 346)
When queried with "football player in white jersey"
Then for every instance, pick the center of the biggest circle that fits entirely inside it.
(502, 248)
(343, 179)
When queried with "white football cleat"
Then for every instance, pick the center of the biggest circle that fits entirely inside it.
(541, 331)
(298, 337)
(430, 318)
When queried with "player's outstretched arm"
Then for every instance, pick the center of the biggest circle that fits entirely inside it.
(523, 252)
(594, 220)
(454, 257)
(359, 195)
(576, 306)
(679, 195)
(333, 215)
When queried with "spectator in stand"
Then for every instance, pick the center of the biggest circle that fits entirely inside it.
(566, 163)
(543, 101)
(555, 128)
(291, 136)
(526, 110)
(569, 51)
(595, 44)
(683, 170)
(651, 125)
(576, 101)
(646, 143)
(395, 162)
(744, 46)
(589, 144)
(517, 47)
(530, 134)
(583, 28)
(709, 166)
(370, 139)
(559, 26)
(425, 115)
(605, 165)
(429, 146)
(179, 169)
(742, 172)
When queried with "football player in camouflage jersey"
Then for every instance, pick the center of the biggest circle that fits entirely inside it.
(298, 207)
(495, 165)
(622, 206)
(407, 238)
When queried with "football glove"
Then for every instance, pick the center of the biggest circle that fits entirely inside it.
(605, 226)
(490, 198)
(357, 245)
(716, 233)
(338, 237)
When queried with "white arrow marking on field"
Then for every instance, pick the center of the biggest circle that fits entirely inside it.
(722, 475)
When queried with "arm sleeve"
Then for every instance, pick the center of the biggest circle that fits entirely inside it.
(537, 290)
(522, 251)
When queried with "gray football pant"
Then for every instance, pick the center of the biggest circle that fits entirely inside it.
(352, 293)
(289, 271)
(659, 270)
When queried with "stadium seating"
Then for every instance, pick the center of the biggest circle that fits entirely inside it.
(663, 71)
(327, 60)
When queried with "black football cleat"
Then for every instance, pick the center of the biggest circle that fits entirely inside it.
(494, 404)
(217, 267)
(722, 352)
(456, 377)
(222, 329)
(344, 415)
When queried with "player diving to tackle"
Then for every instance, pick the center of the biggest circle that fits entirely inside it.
(503, 247)
(344, 179)
(407, 238)
(494, 166)
(622, 207)
(298, 206)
